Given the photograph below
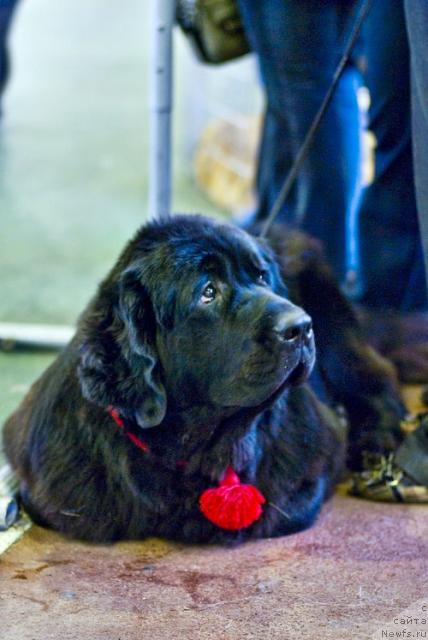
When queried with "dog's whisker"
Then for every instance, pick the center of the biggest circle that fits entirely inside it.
(283, 513)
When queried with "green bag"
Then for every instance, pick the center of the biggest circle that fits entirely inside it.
(214, 28)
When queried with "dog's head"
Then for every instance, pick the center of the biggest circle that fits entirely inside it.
(194, 312)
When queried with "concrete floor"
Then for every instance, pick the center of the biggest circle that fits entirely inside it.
(349, 577)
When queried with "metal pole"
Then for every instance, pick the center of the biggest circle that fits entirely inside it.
(162, 20)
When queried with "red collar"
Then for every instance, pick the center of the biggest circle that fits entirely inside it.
(120, 423)
(143, 446)
(230, 506)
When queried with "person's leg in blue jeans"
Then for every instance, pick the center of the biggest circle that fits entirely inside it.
(392, 266)
(298, 43)
(391, 259)
(7, 8)
(417, 25)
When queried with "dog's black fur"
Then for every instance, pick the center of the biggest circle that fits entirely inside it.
(193, 339)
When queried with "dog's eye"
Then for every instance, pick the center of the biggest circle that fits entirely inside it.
(208, 294)
(262, 277)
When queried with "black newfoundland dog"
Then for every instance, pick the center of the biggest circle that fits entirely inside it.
(179, 409)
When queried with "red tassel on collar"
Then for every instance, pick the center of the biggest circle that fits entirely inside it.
(230, 506)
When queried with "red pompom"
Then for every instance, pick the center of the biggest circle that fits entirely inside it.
(232, 505)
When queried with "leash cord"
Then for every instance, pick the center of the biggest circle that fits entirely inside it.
(365, 7)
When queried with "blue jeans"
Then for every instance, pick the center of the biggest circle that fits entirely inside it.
(298, 43)
(392, 265)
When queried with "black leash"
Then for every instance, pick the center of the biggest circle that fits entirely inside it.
(362, 13)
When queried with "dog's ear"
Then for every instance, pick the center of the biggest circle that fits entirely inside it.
(119, 366)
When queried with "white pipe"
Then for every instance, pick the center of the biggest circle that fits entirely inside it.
(40, 336)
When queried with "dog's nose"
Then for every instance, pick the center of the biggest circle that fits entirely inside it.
(293, 326)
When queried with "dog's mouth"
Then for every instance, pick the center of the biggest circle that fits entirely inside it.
(262, 388)
(292, 369)
(300, 374)
(304, 367)
(263, 372)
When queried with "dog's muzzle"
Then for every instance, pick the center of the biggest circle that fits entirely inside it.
(293, 328)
